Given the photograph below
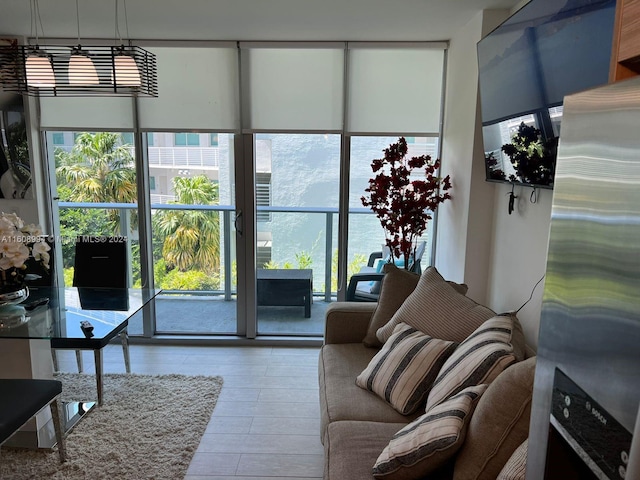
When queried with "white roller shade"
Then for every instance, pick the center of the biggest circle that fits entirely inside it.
(395, 89)
(293, 88)
(197, 89)
(87, 113)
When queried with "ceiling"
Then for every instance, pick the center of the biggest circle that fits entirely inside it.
(365, 20)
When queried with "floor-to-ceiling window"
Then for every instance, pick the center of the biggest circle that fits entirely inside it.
(293, 115)
(406, 83)
(246, 162)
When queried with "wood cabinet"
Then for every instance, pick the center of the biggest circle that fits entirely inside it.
(625, 58)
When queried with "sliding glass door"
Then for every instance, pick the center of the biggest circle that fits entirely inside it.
(297, 188)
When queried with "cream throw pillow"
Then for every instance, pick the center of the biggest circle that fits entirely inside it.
(437, 309)
(430, 441)
(402, 372)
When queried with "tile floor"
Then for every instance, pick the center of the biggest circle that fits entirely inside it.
(266, 423)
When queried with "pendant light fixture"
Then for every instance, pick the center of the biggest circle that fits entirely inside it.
(125, 69)
(80, 71)
(38, 67)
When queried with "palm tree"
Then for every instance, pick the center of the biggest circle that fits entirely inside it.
(99, 168)
(191, 237)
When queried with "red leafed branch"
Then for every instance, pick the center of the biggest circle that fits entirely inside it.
(405, 205)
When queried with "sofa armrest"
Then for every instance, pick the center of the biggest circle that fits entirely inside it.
(347, 322)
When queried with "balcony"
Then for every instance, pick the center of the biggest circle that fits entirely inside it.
(213, 311)
(202, 157)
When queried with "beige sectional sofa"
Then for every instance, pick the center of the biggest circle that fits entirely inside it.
(358, 425)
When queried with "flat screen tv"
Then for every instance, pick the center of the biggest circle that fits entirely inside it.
(546, 50)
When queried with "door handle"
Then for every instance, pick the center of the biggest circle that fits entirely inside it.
(238, 223)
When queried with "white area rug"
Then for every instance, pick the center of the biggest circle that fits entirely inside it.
(148, 428)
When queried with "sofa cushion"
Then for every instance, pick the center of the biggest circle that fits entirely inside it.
(340, 397)
(500, 423)
(480, 358)
(403, 371)
(516, 466)
(351, 449)
(429, 441)
(437, 309)
(396, 286)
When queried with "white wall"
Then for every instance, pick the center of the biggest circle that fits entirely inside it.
(500, 256)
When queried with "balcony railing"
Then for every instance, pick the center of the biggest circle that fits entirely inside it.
(226, 211)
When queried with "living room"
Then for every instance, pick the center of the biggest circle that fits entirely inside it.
(500, 256)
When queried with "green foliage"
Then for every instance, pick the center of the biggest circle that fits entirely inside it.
(304, 260)
(68, 276)
(98, 169)
(80, 221)
(191, 238)
(192, 280)
(174, 279)
(354, 266)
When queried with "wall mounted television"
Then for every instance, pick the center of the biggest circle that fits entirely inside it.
(544, 51)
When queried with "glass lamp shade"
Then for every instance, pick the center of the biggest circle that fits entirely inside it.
(126, 72)
(39, 71)
(82, 71)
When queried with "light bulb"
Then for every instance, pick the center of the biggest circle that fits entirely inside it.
(82, 71)
(39, 71)
(126, 72)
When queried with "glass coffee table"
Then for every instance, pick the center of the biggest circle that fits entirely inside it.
(78, 319)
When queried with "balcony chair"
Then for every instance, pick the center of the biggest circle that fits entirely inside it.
(22, 399)
(364, 286)
(100, 263)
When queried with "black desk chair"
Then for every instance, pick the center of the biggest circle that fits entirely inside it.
(100, 264)
(22, 399)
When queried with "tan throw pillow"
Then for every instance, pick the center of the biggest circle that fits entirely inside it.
(500, 423)
(437, 309)
(402, 372)
(480, 358)
(516, 466)
(397, 285)
(430, 441)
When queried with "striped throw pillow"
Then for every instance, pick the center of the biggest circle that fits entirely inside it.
(516, 466)
(480, 358)
(437, 309)
(430, 441)
(402, 372)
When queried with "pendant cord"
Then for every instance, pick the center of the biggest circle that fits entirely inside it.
(118, 36)
(126, 20)
(78, 20)
(39, 20)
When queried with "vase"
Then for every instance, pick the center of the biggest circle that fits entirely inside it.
(12, 316)
(14, 297)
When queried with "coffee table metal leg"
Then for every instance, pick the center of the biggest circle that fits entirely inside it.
(58, 427)
(98, 357)
(124, 337)
(79, 361)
